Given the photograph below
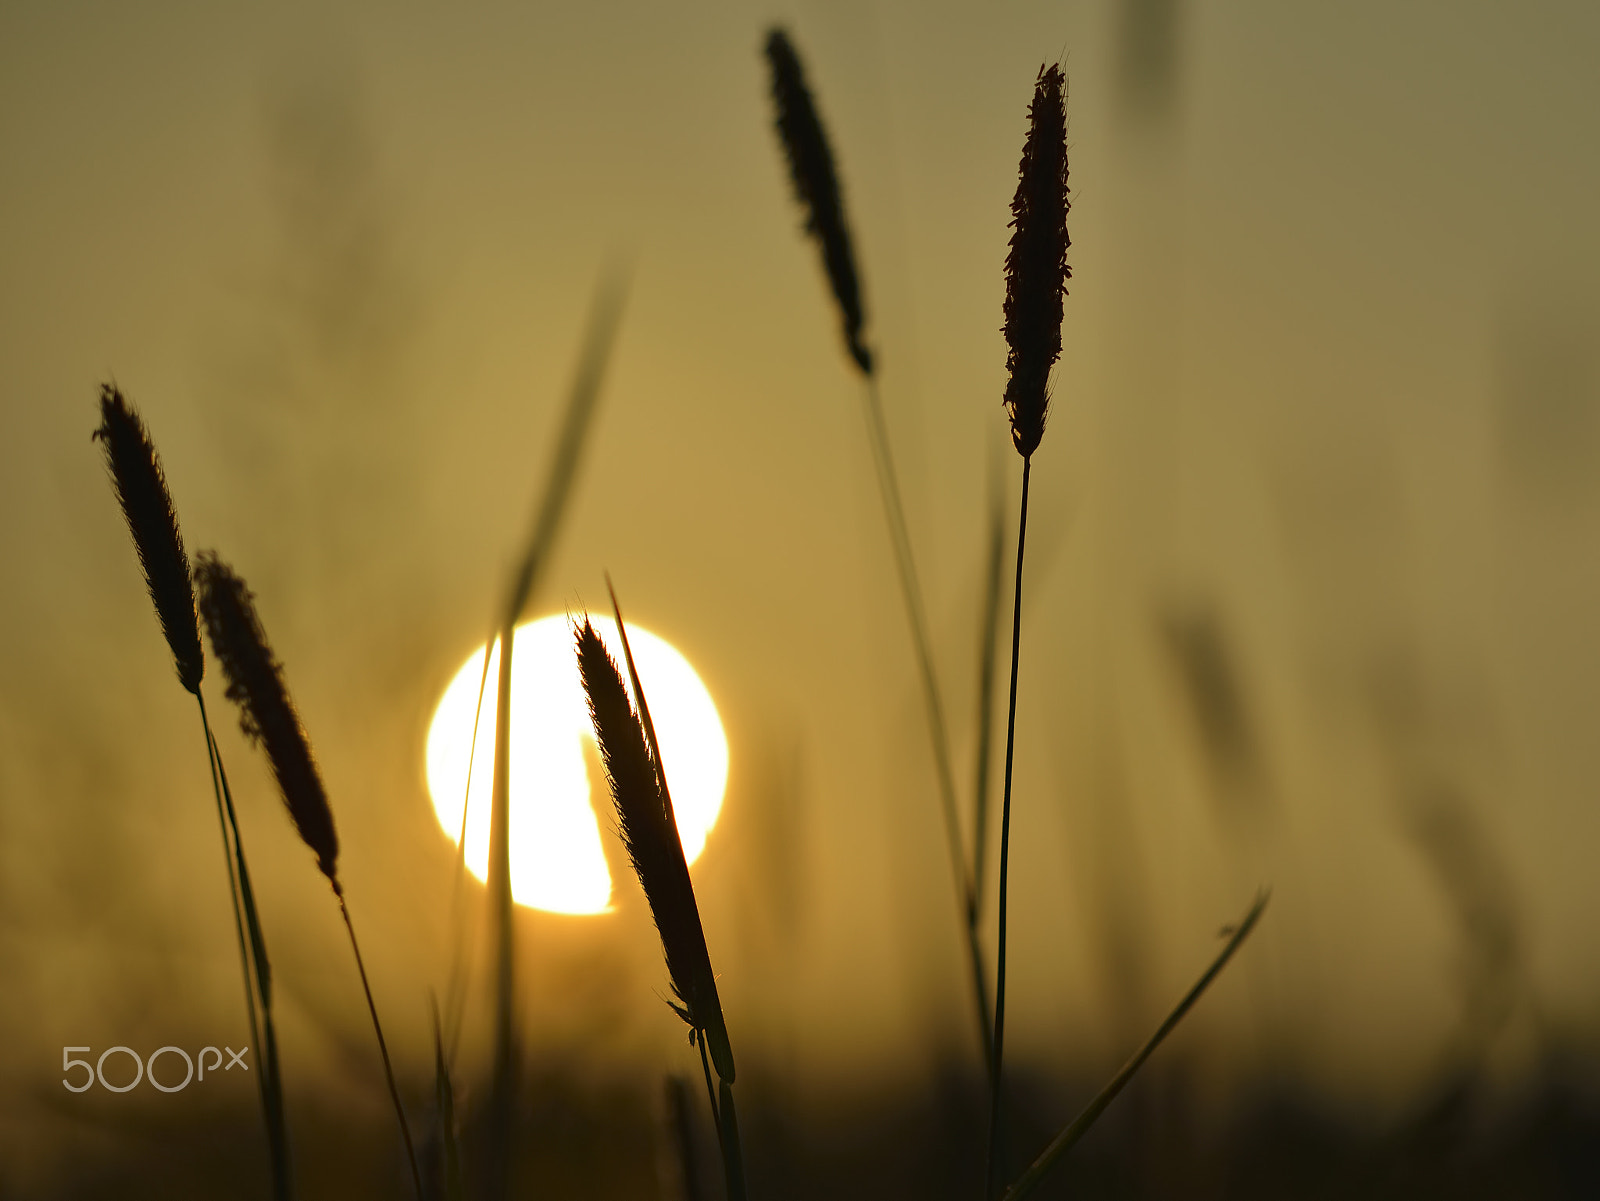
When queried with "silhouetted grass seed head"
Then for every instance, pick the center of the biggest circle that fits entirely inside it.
(266, 714)
(653, 845)
(141, 489)
(1036, 266)
(816, 186)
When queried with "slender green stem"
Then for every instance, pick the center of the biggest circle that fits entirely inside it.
(257, 970)
(1063, 1142)
(911, 594)
(996, 1153)
(233, 886)
(383, 1047)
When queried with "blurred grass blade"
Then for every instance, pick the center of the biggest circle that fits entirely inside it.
(682, 1173)
(258, 978)
(1068, 1138)
(604, 316)
(444, 1098)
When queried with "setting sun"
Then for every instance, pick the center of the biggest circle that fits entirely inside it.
(557, 862)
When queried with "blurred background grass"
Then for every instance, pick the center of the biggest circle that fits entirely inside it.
(1311, 583)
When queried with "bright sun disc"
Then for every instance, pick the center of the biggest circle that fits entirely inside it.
(557, 862)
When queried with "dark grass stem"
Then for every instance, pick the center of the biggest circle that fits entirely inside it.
(933, 706)
(1064, 1142)
(383, 1046)
(452, 1186)
(229, 853)
(502, 1083)
(995, 1129)
(258, 970)
(461, 951)
(1036, 284)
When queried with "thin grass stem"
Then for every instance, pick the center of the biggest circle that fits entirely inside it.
(1064, 1142)
(916, 619)
(503, 1071)
(996, 1155)
(257, 968)
(233, 885)
(444, 1100)
(461, 952)
(383, 1048)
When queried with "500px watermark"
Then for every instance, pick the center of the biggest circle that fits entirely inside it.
(145, 1069)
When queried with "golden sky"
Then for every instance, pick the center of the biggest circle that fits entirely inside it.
(1326, 413)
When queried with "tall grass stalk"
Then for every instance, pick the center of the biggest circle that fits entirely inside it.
(146, 502)
(605, 315)
(1036, 282)
(648, 825)
(816, 185)
(1079, 1126)
(268, 718)
(269, 1079)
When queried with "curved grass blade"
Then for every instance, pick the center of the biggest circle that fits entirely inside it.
(1068, 1138)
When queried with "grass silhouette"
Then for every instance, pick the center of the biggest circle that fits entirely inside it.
(1036, 278)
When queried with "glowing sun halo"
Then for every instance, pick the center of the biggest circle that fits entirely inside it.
(556, 858)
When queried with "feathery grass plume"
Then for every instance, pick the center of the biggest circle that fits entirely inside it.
(651, 837)
(1036, 266)
(649, 829)
(142, 491)
(1079, 1126)
(817, 186)
(267, 716)
(1036, 281)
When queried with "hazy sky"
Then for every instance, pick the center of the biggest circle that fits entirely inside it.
(1325, 431)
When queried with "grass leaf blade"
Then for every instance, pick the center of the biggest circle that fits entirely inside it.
(1068, 1138)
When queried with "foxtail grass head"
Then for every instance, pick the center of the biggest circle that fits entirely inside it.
(644, 815)
(817, 187)
(142, 491)
(1036, 266)
(255, 684)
